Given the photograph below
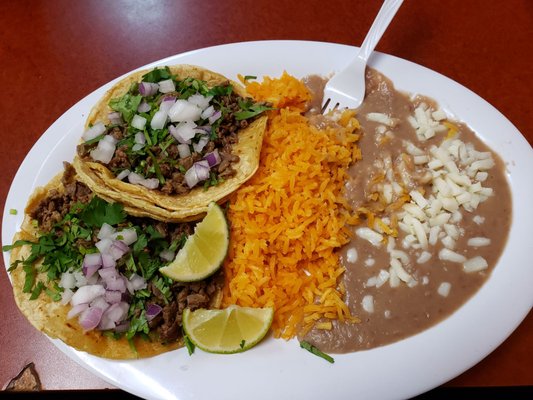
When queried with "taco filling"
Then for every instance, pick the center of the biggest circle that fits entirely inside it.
(102, 266)
(170, 134)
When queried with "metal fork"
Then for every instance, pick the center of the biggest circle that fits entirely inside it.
(347, 87)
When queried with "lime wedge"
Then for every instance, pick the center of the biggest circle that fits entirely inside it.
(231, 330)
(204, 251)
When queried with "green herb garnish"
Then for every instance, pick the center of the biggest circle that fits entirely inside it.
(12, 211)
(190, 345)
(309, 347)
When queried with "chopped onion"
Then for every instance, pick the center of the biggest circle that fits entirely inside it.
(167, 86)
(94, 131)
(191, 178)
(104, 245)
(91, 264)
(213, 158)
(137, 282)
(144, 107)
(214, 117)
(67, 281)
(104, 151)
(199, 100)
(114, 315)
(198, 147)
(208, 112)
(108, 261)
(122, 327)
(86, 294)
(136, 179)
(108, 273)
(118, 249)
(115, 118)
(66, 296)
(123, 174)
(184, 131)
(139, 138)
(152, 311)
(90, 318)
(167, 255)
(182, 111)
(167, 104)
(116, 283)
(113, 296)
(81, 280)
(184, 150)
(159, 119)
(148, 88)
(106, 231)
(128, 236)
(138, 122)
(198, 172)
(100, 302)
(77, 310)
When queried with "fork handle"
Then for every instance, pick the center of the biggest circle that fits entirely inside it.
(382, 21)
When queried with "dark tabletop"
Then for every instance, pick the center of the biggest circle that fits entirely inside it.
(53, 53)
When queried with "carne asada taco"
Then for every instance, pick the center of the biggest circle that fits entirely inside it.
(167, 142)
(85, 272)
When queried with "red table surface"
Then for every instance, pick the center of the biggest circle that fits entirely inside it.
(53, 53)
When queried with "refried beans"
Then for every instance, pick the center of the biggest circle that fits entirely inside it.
(435, 212)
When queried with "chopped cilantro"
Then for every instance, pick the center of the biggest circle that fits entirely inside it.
(312, 349)
(157, 74)
(99, 211)
(13, 211)
(249, 77)
(126, 105)
(250, 109)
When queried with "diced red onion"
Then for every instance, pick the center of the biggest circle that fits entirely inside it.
(209, 111)
(104, 151)
(90, 318)
(139, 138)
(108, 273)
(138, 122)
(100, 302)
(137, 282)
(198, 147)
(136, 179)
(167, 255)
(184, 150)
(144, 107)
(115, 118)
(91, 264)
(122, 327)
(148, 88)
(199, 100)
(77, 309)
(182, 110)
(128, 236)
(214, 117)
(213, 158)
(106, 231)
(104, 245)
(94, 131)
(115, 283)
(198, 172)
(108, 261)
(113, 296)
(152, 311)
(86, 294)
(67, 281)
(118, 249)
(166, 104)
(167, 86)
(92, 280)
(123, 174)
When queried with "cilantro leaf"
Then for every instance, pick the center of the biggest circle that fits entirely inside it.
(249, 110)
(126, 105)
(157, 74)
(312, 349)
(190, 345)
(99, 211)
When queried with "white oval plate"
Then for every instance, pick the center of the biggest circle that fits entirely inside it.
(279, 369)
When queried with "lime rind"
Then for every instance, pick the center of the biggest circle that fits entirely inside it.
(228, 331)
(204, 251)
